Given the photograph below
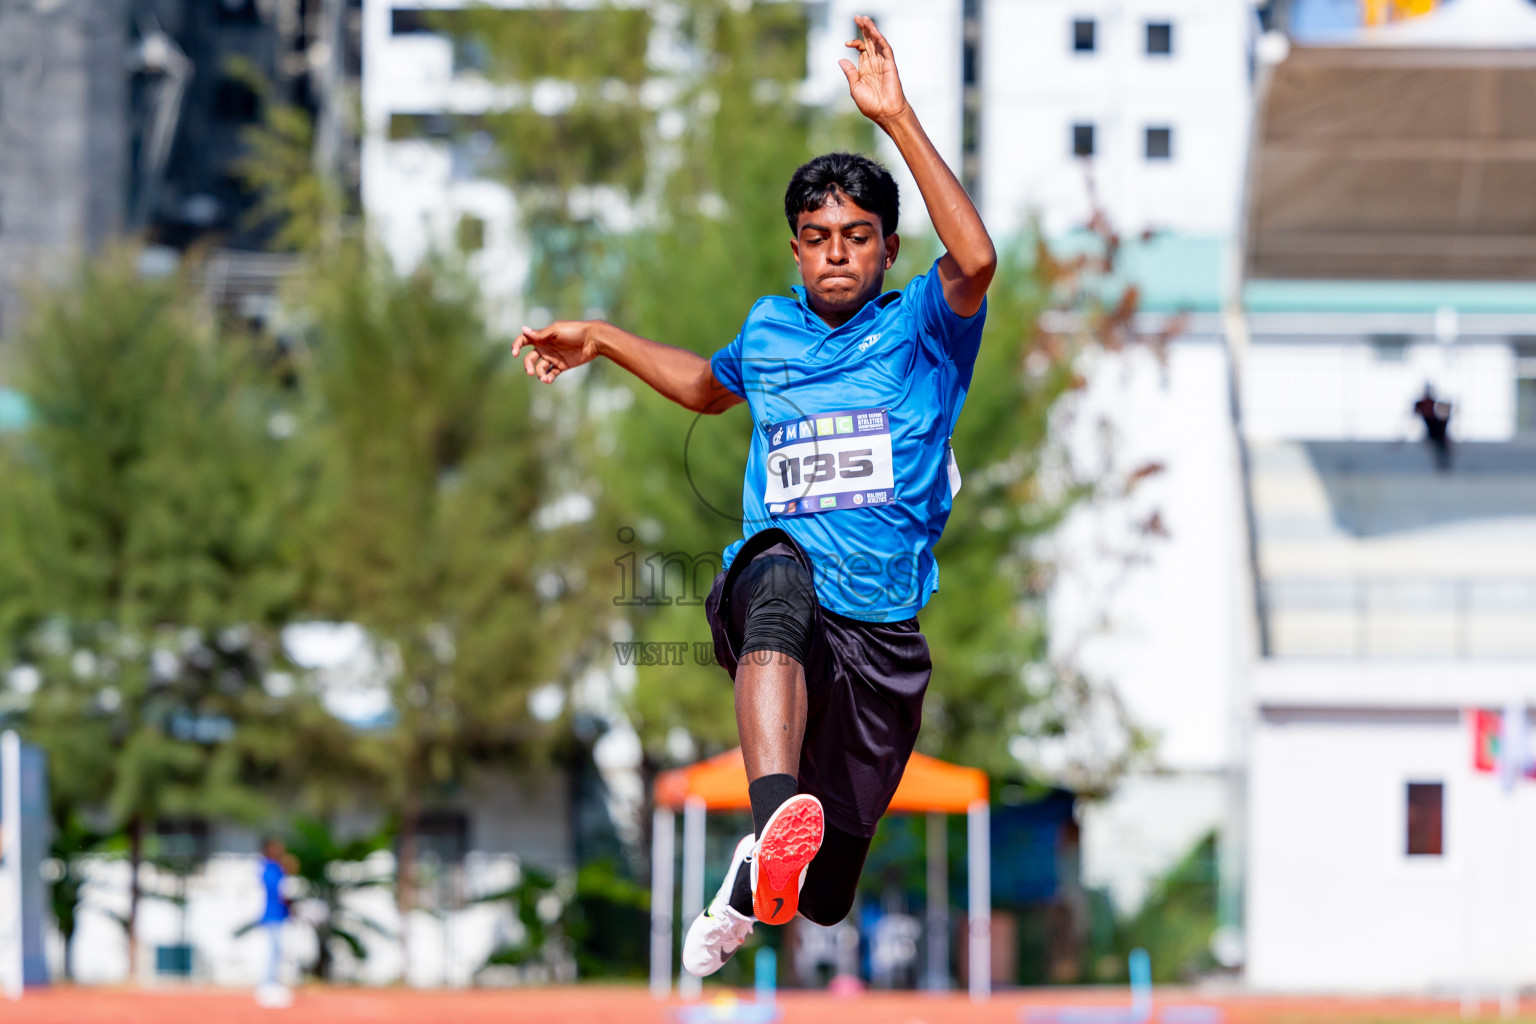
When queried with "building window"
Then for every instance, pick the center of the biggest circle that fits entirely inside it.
(1389, 348)
(1159, 143)
(1159, 38)
(442, 837)
(1525, 386)
(410, 21)
(1082, 140)
(970, 99)
(1083, 35)
(1426, 819)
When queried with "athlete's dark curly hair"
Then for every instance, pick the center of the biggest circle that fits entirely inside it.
(859, 178)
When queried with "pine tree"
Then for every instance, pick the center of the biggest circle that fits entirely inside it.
(432, 468)
(147, 563)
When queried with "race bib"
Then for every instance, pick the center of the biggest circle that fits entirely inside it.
(829, 461)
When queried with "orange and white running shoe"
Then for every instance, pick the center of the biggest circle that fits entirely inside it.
(789, 841)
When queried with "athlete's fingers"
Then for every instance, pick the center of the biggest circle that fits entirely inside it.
(849, 70)
(528, 362)
(874, 35)
(855, 44)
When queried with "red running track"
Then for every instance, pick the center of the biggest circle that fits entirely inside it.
(623, 1004)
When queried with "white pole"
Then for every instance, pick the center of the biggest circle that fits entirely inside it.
(938, 904)
(663, 863)
(979, 841)
(693, 882)
(1513, 759)
(11, 976)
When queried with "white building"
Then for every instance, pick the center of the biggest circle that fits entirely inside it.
(421, 186)
(1395, 589)
(1149, 96)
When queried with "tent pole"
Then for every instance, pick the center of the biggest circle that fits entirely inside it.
(663, 863)
(938, 903)
(693, 881)
(979, 843)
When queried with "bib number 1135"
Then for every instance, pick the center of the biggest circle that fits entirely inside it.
(829, 461)
(825, 466)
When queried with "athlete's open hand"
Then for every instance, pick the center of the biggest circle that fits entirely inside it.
(556, 348)
(873, 82)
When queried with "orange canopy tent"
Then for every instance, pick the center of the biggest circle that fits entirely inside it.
(928, 786)
(721, 782)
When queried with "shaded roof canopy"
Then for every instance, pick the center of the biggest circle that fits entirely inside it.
(721, 782)
(1407, 154)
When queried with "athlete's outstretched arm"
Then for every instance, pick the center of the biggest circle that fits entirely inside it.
(684, 377)
(967, 267)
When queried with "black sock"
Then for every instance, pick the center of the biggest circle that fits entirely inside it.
(741, 894)
(768, 795)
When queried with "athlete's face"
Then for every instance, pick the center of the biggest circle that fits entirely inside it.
(842, 257)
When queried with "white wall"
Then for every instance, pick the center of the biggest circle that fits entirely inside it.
(1160, 618)
(410, 190)
(1035, 87)
(1335, 903)
(1166, 628)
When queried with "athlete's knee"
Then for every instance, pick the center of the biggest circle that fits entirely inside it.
(781, 576)
(779, 610)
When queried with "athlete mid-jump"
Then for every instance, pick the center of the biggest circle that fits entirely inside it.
(854, 393)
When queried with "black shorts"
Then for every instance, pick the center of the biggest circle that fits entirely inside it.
(864, 685)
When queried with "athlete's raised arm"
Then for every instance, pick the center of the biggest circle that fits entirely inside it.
(684, 377)
(967, 267)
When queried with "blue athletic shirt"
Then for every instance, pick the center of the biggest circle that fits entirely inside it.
(850, 443)
(275, 911)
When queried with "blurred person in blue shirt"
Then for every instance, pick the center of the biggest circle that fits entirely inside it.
(277, 864)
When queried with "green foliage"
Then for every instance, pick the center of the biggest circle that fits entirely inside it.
(430, 469)
(529, 899)
(332, 869)
(591, 144)
(1174, 925)
(144, 524)
(600, 918)
(71, 843)
(525, 45)
(608, 921)
(986, 624)
(302, 207)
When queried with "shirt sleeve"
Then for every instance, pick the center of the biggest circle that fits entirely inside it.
(726, 366)
(957, 337)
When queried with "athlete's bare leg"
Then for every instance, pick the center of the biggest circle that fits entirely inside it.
(770, 713)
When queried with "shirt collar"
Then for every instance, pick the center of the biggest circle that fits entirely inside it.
(871, 308)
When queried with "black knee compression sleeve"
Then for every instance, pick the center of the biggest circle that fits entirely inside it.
(780, 603)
